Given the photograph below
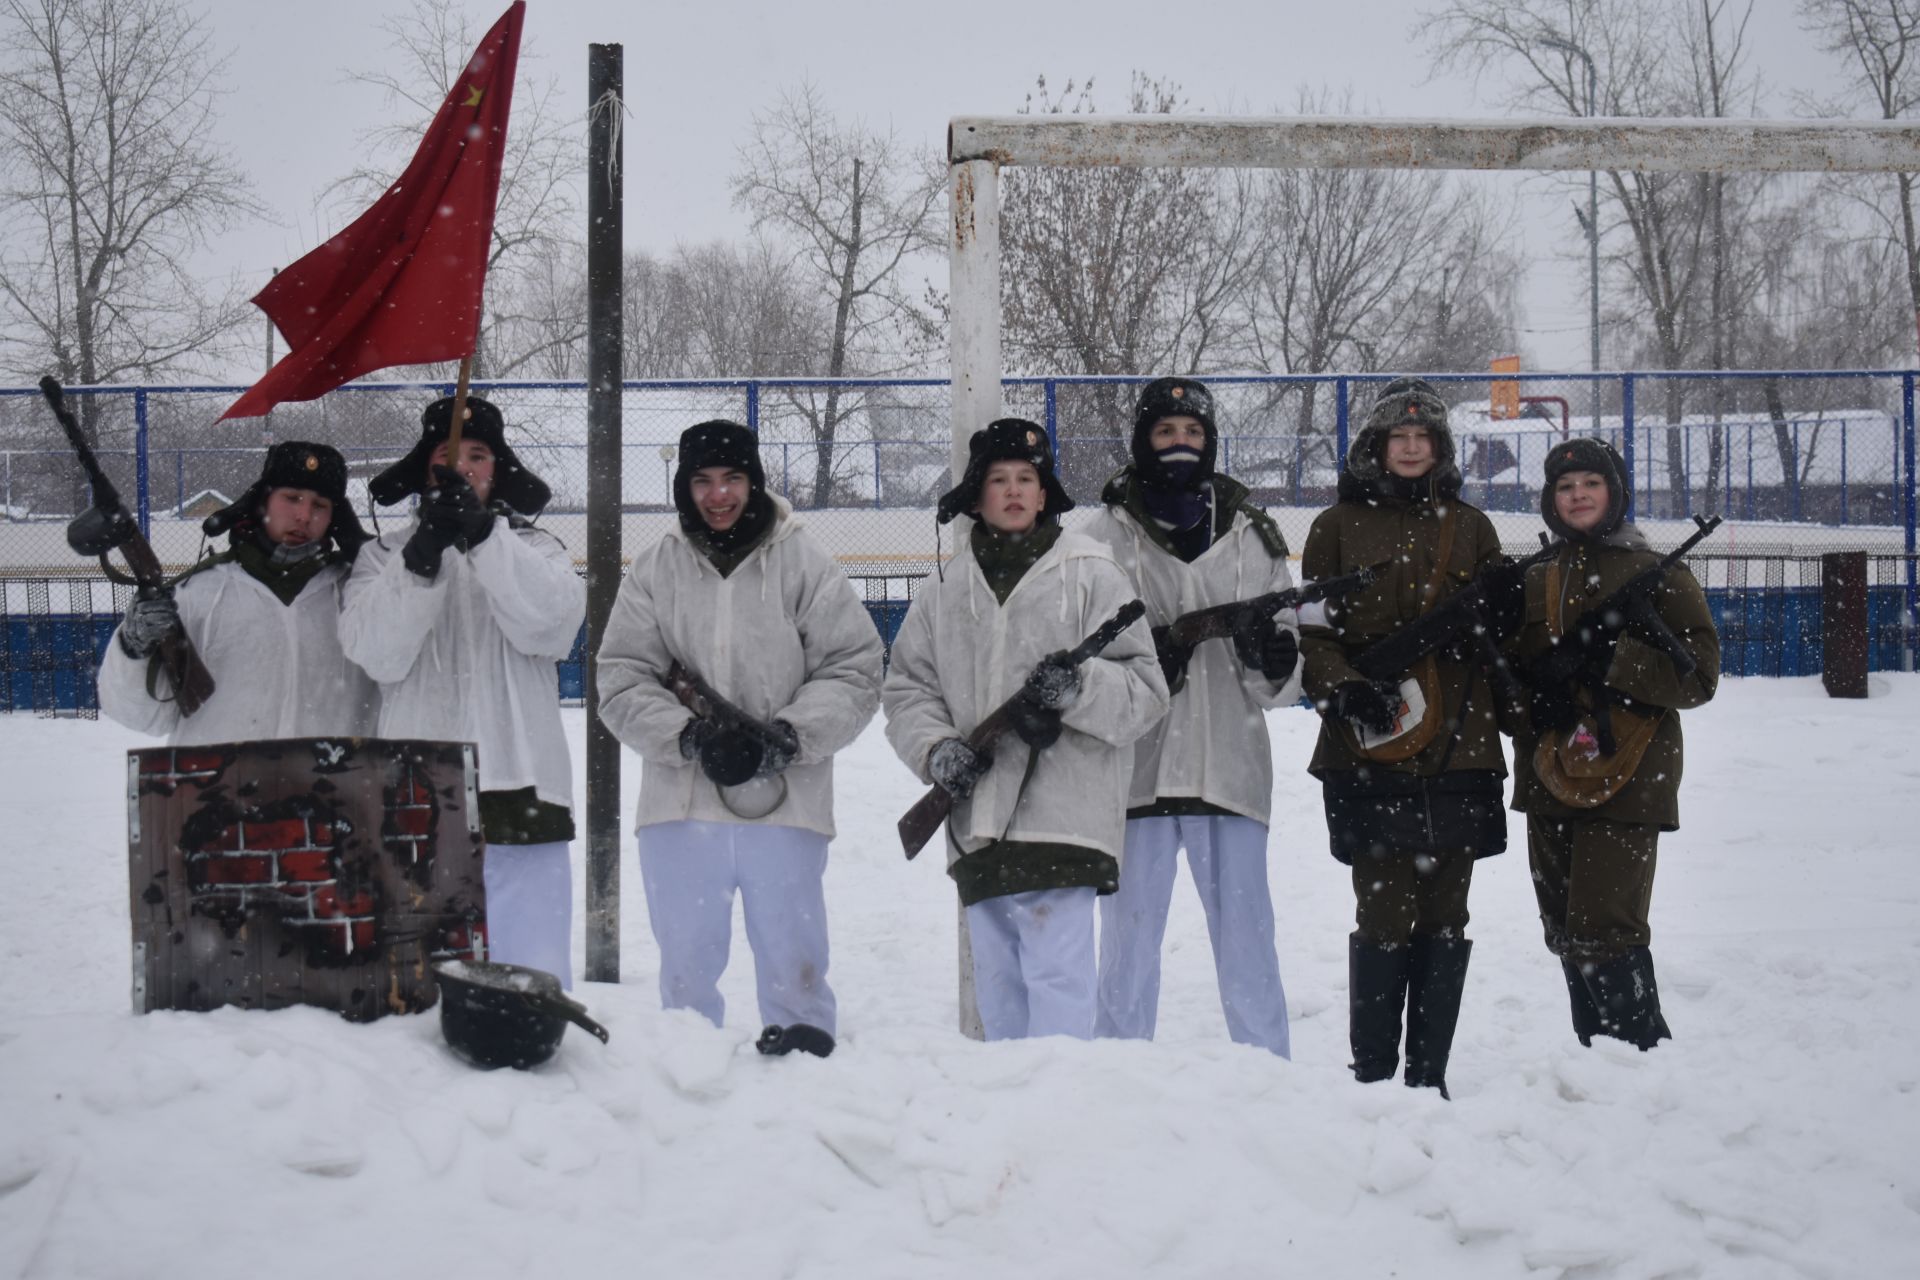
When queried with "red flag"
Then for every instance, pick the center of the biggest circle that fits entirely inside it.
(402, 284)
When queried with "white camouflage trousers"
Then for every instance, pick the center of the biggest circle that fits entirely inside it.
(1033, 963)
(1228, 859)
(530, 906)
(691, 871)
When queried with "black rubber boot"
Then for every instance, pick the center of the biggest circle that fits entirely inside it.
(777, 1041)
(1628, 998)
(1586, 1014)
(1376, 989)
(1436, 976)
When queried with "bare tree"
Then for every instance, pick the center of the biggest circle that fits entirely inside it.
(1881, 39)
(1373, 265)
(1653, 59)
(858, 206)
(535, 212)
(111, 185)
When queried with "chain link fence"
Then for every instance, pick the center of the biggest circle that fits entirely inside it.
(1798, 463)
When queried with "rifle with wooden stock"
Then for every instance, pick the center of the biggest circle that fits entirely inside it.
(106, 526)
(921, 821)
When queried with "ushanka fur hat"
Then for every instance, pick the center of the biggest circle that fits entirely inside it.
(1404, 402)
(1583, 454)
(1172, 398)
(1006, 440)
(295, 464)
(522, 491)
(716, 443)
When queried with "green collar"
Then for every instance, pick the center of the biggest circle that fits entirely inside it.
(1004, 561)
(286, 581)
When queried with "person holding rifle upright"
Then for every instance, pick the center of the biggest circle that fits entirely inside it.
(1617, 642)
(1035, 830)
(1409, 760)
(736, 662)
(264, 615)
(1190, 539)
(461, 615)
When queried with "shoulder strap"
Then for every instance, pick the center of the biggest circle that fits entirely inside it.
(1449, 523)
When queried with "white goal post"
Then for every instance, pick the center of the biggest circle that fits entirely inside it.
(978, 146)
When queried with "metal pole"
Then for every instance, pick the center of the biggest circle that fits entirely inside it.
(140, 462)
(605, 188)
(1626, 434)
(1913, 569)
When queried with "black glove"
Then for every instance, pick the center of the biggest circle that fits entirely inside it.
(151, 618)
(957, 766)
(1585, 653)
(1053, 685)
(732, 756)
(1173, 659)
(1038, 727)
(451, 514)
(694, 736)
(1267, 647)
(1552, 708)
(776, 756)
(1504, 592)
(1371, 704)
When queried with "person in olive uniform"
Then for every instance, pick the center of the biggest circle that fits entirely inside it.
(1593, 860)
(1409, 818)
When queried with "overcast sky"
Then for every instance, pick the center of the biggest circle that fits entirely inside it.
(695, 73)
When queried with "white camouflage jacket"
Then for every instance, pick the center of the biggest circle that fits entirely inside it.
(468, 655)
(1213, 745)
(278, 670)
(782, 637)
(961, 653)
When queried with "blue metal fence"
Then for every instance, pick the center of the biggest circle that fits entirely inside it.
(1801, 461)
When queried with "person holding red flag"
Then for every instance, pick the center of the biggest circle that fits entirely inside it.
(460, 617)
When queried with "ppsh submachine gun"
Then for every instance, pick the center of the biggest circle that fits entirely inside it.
(758, 796)
(1220, 621)
(108, 526)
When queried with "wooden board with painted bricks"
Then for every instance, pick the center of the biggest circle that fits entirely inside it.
(331, 872)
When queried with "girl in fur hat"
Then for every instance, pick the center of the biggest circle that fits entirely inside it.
(1597, 765)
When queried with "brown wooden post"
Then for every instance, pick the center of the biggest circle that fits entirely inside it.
(1843, 623)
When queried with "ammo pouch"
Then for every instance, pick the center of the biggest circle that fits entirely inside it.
(1415, 738)
(1570, 762)
(1574, 772)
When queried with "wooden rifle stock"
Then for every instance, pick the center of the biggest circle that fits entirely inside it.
(918, 824)
(1219, 621)
(109, 525)
(701, 698)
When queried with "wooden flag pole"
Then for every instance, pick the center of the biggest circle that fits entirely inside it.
(459, 412)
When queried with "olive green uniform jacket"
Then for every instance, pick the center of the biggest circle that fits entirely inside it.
(1641, 674)
(1402, 538)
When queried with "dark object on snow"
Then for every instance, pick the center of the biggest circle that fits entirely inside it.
(506, 1015)
(1845, 635)
(777, 1041)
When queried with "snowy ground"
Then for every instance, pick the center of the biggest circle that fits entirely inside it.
(1776, 1136)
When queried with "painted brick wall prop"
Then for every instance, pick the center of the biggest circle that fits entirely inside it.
(330, 872)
